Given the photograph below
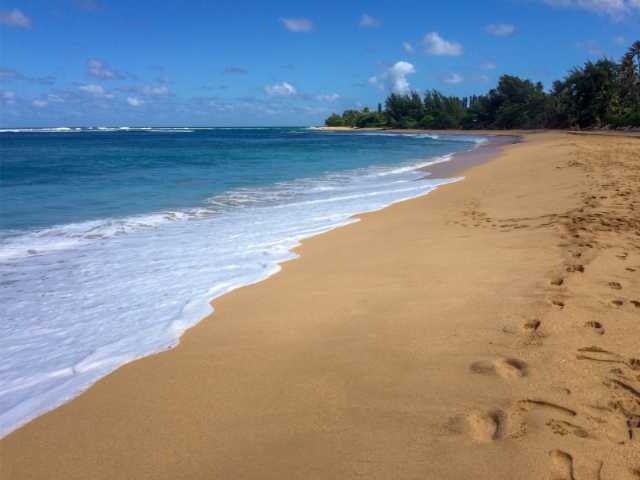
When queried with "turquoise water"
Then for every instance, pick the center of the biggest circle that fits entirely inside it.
(57, 178)
(112, 241)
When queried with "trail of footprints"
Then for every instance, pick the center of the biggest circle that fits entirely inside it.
(579, 230)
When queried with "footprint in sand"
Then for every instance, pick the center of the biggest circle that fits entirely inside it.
(511, 368)
(532, 334)
(575, 268)
(561, 467)
(504, 367)
(596, 327)
(562, 427)
(615, 285)
(531, 325)
(487, 427)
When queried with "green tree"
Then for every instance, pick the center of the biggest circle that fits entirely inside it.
(598, 94)
(334, 120)
(587, 96)
(350, 117)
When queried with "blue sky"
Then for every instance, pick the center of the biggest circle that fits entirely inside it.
(220, 63)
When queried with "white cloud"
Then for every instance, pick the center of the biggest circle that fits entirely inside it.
(15, 18)
(101, 70)
(331, 97)
(436, 45)
(95, 91)
(488, 66)
(376, 81)
(408, 47)
(453, 79)
(620, 40)
(283, 89)
(39, 103)
(395, 77)
(614, 8)
(501, 29)
(92, 89)
(367, 21)
(159, 90)
(297, 24)
(135, 101)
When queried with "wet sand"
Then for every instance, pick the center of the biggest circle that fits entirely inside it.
(489, 330)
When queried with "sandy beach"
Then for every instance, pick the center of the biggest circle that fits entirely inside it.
(488, 330)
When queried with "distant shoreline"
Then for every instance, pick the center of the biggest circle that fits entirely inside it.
(604, 132)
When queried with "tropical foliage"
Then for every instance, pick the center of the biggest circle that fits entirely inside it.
(598, 94)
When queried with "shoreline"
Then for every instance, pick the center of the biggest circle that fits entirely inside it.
(632, 133)
(404, 345)
(444, 171)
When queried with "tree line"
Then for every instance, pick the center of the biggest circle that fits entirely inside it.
(598, 94)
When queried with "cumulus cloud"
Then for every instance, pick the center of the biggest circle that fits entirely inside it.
(282, 89)
(101, 70)
(297, 24)
(453, 79)
(614, 8)
(407, 47)
(39, 103)
(395, 77)
(501, 29)
(15, 18)
(135, 101)
(436, 45)
(367, 21)
(331, 97)
(92, 89)
(95, 91)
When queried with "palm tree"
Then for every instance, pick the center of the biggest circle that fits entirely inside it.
(630, 77)
(634, 50)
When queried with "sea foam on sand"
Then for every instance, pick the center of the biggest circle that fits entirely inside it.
(82, 299)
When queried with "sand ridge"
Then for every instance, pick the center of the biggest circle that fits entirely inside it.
(486, 331)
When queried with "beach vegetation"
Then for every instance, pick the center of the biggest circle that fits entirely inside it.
(600, 94)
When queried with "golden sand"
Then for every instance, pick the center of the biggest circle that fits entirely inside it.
(490, 330)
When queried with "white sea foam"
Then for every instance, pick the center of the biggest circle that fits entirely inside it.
(80, 300)
(442, 159)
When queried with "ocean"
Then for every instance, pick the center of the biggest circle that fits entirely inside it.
(113, 240)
